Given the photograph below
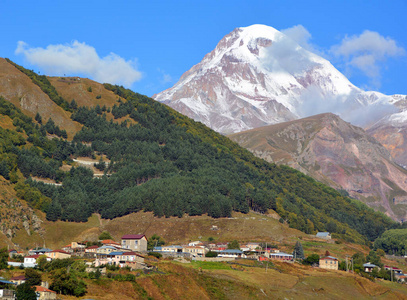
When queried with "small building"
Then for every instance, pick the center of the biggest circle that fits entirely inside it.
(368, 267)
(91, 249)
(44, 293)
(40, 251)
(135, 242)
(196, 243)
(394, 269)
(58, 254)
(172, 249)
(12, 253)
(324, 235)
(281, 256)
(105, 250)
(18, 279)
(253, 246)
(30, 261)
(74, 247)
(111, 243)
(195, 250)
(329, 262)
(231, 253)
(6, 294)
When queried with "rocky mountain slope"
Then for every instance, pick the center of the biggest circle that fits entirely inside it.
(257, 76)
(336, 153)
(391, 131)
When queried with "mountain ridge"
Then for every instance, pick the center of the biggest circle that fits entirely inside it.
(257, 76)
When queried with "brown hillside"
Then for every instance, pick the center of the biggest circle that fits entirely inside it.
(77, 88)
(335, 153)
(220, 281)
(18, 88)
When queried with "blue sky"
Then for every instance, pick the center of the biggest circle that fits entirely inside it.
(155, 42)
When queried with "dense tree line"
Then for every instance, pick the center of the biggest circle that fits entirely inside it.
(164, 162)
(393, 242)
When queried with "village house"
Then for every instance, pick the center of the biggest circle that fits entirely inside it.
(368, 267)
(122, 259)
(281, 256)
(18, 279)
(113, 258)
(394, 269)
(91, 249)
(44, 293)
(329, 262)
(74, 247)
(135, 242)
(324, 235)
(40, 251)
(244, 248)
(252, 246)
(30, 261)
(111, 243)
(195, 250)
(104, 250)
(231, 253)
(58, 254)
(6, 294)
(172, 249)
(196, 243)
(132, 260)
(12, 252)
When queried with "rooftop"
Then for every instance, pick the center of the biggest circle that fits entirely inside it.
(322, 234)
(132, 236)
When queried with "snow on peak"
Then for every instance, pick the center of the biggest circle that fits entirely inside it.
(256, 76)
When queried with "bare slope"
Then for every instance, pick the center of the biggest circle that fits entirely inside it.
(336, 153)
(18, 88)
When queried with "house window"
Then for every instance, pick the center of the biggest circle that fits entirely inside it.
(136, 242)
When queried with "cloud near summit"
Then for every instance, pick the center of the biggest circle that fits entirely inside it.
(367, 52)
(78, 57)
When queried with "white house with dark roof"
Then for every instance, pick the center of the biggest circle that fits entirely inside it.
(368, 267)
(135, 242)
(231, 253)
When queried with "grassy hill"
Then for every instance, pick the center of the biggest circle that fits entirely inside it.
(243, 280)
(159, 161)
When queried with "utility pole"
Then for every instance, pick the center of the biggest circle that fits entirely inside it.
(352, 266)
(391, 273)
(347, 267)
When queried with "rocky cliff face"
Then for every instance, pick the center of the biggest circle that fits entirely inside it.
(258, 76)
(337, 153)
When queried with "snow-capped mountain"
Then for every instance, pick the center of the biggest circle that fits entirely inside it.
(257, 76)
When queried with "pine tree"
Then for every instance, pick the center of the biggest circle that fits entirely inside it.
(298, 252)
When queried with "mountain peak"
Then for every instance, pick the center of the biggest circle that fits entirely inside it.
(258, 76)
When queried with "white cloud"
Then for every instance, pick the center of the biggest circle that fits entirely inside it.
(302, 37)
(166, 78)
(367, 52)
(77, 58)
(315, 101)
(286, 56)
(299, 34)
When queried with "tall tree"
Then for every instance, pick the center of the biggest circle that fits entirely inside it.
(25, 292)
(234, 245)
(3, 258)
(298, 252)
